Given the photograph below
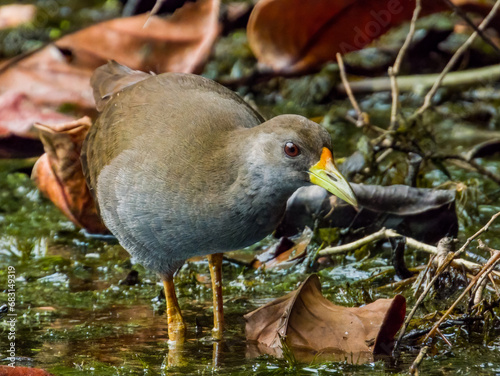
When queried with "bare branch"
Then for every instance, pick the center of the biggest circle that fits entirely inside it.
(464, 47)
(394, 70)
(362, 116)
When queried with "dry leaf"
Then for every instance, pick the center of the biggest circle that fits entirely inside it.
(22, 371)
(285, 253)
(58, 173)
(17, 116)
(16, 14)
(46, 77)
(60, 72)
(179, 43)
(310, 324)
(292, 36)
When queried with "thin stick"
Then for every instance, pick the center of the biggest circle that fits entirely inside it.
(418, 360)
(469, 22)
(386, 234)
(487, 268)
(419, 82)
(447, 262)
(440, 333)
(458, 53)
(343, 76)
(394, 70)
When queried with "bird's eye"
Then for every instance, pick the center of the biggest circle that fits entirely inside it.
(291, 149)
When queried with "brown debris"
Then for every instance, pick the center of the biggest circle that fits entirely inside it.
(58, 173)
(311, 324)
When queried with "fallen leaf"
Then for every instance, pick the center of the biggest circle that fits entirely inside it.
(60, 72)
(16, 14)
(178, 43)
(424, 214)
(59, 175)
(284, 253)
(310, 325)
(47, 77)
(22, 371)
(17, 116)
(294, 36)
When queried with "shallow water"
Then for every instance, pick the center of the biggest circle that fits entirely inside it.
(74, 317)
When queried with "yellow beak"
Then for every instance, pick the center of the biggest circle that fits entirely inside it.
(326, 175)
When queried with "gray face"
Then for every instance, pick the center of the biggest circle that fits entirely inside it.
(288, 145)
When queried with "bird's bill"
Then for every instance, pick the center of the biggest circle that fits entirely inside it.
(326, 175)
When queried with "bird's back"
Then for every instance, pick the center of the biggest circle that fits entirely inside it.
(149, 159)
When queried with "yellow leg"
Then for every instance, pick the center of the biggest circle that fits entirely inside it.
(215, 264)
(176, 327)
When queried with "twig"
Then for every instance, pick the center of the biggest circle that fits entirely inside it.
(394, 70)
(469, 22)
(458, 53)
(414, 367)
(387, 233)
(422, 82)
(414, 334)
(488, 267)
(362, 116)
(153, 12)
(443, 267)
(471, 164)
(443, 337)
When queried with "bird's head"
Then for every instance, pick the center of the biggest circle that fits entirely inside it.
(297, 152)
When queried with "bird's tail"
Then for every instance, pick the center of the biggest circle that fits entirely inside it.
(111, 78)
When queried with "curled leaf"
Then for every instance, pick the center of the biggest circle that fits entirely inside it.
(60, 72)
(294, 36)
(179, 43)
(59, 175)
(285, 253)
(424, 214)
(309, 324)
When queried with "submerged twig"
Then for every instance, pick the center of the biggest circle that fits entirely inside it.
(416, 364)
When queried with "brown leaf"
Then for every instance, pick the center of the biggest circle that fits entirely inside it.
(179, 43)
(16, 14)
(60, 72)
(285, 253)
(310, 324)
(46, 77)
(292, 36)
(58, 173)
(22, 371)
(17, 116)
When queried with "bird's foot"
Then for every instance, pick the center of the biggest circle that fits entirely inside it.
(176, 329)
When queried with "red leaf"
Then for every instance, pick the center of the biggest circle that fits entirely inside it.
(292, 36)
(22, 371)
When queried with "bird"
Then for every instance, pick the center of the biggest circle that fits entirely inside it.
(181, 166)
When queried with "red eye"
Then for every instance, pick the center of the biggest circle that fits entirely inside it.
(291, 149)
